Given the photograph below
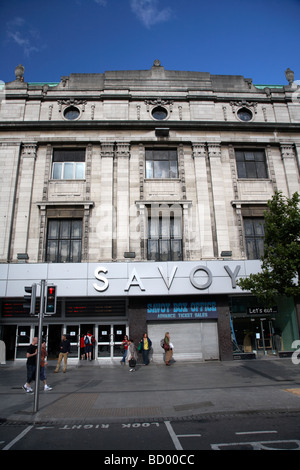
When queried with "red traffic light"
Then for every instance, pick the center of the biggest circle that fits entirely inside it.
(50, 306)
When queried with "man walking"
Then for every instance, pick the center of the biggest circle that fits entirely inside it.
(63, 354)
(31, 364)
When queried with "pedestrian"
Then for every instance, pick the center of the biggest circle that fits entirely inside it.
(145, 346)
(64, 349)
(131, 355)
(88, 345)
(82, 347)
(44, 354)
(31, 364)
(124, 347)
(168, 347)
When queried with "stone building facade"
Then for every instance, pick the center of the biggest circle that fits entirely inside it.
(141, 194)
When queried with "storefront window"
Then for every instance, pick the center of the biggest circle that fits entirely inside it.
(261, 331)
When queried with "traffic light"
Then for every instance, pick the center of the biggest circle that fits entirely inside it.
(30, 298)
(50, 303)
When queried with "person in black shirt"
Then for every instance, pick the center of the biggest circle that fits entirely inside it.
(64, 349)
(31, 364)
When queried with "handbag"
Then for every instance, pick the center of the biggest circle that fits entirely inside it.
(132, 362)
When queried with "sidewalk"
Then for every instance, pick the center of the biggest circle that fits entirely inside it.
(93, 392)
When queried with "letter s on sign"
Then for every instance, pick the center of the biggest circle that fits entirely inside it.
(103, 279)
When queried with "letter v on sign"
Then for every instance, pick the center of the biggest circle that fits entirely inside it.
(168, 281)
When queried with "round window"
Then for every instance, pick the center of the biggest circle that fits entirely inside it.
(159, 113)
(71, 113)
(244, 114)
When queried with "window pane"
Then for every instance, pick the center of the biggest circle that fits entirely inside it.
(79, 171)
(161, 169)
(153, 253)
(56, 173)
(75, 251)
(241, 168)
(164, 250)
(176, 250)
(248, 227)
(76, 229)
(165, 226)
(69, 155)
(53, 229)
(258, 225)
(250, 246)
(251, 169)
(52, 250)
(173, 169)
(149, 169)
(176, 226)
(153, 226)
(161, 163)
(64, 251)
(259, 248)
(68, 171)
(261, 170)
(249, 156)
(65, 227)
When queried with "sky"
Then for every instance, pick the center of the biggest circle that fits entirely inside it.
(258, 39)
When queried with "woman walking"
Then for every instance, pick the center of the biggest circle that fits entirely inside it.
(124, 347)
(168, 347)
(131, 355)
(145, 346)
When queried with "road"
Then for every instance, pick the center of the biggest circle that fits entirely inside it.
(257, 431)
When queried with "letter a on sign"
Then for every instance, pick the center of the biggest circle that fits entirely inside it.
(134, 280)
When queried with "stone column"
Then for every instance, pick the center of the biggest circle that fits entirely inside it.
(122, 198)
(205, 221)
(25, 189)
(105, 213)
(218, 195)
(290, 168)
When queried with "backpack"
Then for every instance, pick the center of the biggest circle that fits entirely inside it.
(86, 340)
(162, 342)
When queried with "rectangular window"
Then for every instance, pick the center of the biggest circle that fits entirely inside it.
(161, 163)
(68, 164)
(64, 240)
(165, 235)
(251, 164)
(254, 237)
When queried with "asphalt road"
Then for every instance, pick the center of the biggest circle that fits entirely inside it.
(257, 431)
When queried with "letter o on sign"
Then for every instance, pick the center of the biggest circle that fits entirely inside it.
(195, 283)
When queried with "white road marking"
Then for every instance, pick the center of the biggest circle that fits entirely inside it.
(173, 436)
(18, 438)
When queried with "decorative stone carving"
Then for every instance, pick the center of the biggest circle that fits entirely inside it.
(19, 73)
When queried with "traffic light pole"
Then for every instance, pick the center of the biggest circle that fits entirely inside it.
(39, 347)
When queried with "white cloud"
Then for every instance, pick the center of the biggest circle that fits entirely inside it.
(101, 2)
(27, 39)
(149, 13)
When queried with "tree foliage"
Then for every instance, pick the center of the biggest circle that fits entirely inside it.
(280, 271)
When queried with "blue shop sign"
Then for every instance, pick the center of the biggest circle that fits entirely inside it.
(185, 310)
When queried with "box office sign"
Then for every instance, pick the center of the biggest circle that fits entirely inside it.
(185, 310)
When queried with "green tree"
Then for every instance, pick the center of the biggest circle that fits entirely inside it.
(280, 271)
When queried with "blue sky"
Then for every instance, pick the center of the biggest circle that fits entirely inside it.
(258, 39)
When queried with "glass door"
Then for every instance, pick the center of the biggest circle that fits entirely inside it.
(265, 337)
(104, 339)
(23, 340)
(72, 333)
(110, 337)
(119, 331)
